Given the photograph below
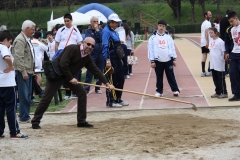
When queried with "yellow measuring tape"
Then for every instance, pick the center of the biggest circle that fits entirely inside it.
(111, 82)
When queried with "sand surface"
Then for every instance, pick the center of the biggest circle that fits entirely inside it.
(147, 134)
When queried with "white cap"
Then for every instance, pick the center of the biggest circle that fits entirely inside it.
(114, 17)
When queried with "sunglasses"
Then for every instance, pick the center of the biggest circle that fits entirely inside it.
(89, 44)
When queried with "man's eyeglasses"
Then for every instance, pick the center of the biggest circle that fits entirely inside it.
(89, 44)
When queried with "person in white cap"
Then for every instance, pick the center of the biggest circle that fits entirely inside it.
(110, 43)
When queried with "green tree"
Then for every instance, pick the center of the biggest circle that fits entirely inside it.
(131, 6)
(176, 7)
(193, 10)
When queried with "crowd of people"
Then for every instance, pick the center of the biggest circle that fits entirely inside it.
(222, 42)
(104, 54)
(23, 59)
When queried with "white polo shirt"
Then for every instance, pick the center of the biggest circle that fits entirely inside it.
(205, 25)
(217, 49)
(39, 49)
(6, 79)
(63, 34)
(236, 39)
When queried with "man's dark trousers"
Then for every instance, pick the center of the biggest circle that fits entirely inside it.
(118, 80)
(235, 73)
(100, 62)
(168, 68)
(51, 89)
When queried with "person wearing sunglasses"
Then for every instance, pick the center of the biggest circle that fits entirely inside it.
(110, 42)
(73, 58)
(96, 33)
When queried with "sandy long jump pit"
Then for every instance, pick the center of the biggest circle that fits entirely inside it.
(146, 134)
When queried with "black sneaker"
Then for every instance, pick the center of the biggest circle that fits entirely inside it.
(36, 126)
(234, 98)
(85, 125)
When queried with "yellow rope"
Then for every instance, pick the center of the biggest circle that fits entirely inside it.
(111, 82)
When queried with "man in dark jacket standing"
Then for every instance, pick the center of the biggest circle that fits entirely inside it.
(96, 33)
(72, 59)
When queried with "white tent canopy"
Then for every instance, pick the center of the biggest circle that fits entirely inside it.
(78, 19)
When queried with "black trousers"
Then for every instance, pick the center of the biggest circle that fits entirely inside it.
(168, 68)
(118, 80)
(51, 89)
(219, 81)
(234, 73)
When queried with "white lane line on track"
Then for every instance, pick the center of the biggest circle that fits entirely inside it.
(76, 104)
(145, 89)
(193, 75)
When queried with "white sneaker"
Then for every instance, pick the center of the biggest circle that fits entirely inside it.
(73, 96)
(209, 73)
(66, 98)
(175, 93)
(127, 77)
(124, 103)
(115, 105)
(98, 91)
(203, 74)
(158, 94)
(131, 74)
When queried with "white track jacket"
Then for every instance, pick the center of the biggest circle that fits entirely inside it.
(161, 48)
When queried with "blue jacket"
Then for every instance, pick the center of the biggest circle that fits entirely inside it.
(110, 41)
(97, 36)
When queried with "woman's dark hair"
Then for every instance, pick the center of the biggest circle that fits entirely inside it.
(127, 29)
(217, 19)
(215, 31)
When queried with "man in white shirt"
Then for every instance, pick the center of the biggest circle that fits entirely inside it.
(65, 36)
(51, 45)
(39, 49)
(205, 41)
(234, 56)
(162, 55)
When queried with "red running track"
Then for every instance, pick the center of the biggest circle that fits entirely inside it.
(144, 81)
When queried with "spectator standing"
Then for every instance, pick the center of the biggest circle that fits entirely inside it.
(96, 33)
(217, 53)
(162, 55)
(65, 36)
(205, 39)
(23, 53)
(39, 49)
(225, 35)
(130, 46)
(110, 42)
(217, 21)
(51, 45)
(234, 56)
(7, 89)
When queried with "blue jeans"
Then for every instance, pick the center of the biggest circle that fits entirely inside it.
(24, 94)
(100, 62)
